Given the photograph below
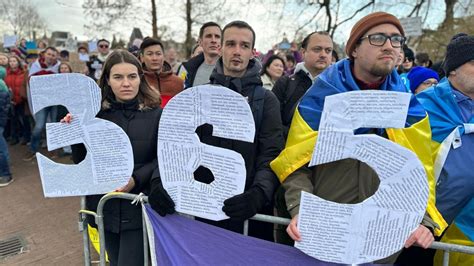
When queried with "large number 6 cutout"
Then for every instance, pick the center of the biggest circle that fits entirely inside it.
(180, 152)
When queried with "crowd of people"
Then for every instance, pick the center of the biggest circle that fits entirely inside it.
(285, 89)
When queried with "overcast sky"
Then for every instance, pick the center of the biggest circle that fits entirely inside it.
(63, 15)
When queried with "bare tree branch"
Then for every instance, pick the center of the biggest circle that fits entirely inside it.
(335, 26)
(308, 22)
(21, 16)
(416, 8)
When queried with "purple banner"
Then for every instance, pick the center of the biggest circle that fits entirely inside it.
(182, 241)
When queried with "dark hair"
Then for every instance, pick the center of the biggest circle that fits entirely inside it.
(102, 40)
(206, 25)
(64, 53)
(423, 58)
(305, 42)
(408, 53)
(82, 48)
(67, 64)
(146, 96)
(290, 57)
(269, 62)
(51, 48)
(148, 41)
(335, 55)
(241, 25)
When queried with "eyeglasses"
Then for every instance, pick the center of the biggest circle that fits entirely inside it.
(103, 46)
(379, 39)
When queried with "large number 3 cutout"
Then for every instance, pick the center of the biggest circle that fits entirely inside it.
(108, 164)
(378, 226)
(180, 153)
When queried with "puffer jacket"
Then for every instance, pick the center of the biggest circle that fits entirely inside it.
(16, 81)
(141, 126)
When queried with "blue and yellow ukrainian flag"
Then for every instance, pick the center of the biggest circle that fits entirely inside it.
(303, 133)
(453, 157)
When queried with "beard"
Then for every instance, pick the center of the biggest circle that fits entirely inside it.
(381, 70)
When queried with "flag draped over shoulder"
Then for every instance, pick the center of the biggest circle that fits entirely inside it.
(452, 148)
(177, 240)
(303, 132)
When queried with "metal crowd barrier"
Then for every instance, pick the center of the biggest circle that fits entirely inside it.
(99, 219)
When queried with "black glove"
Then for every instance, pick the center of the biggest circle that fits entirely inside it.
(159, 199)
(243, 206)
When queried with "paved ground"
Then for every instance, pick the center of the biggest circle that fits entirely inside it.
(49, 226)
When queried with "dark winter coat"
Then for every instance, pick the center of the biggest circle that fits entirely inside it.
(268, 141)
(289, 94)
(191, 67)
(141, 126)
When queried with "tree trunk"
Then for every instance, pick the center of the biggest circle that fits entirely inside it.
(189, 24)
(154, 25)
(448, 22)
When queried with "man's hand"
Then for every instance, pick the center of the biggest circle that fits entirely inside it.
(159, 199)
(422, 237)
(128, 187)
(243, 206)
(292, 229)
(67, 119)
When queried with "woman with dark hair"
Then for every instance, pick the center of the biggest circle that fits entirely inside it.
(131, 104)
(271, 71)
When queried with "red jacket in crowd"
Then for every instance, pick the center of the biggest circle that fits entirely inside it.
(16, 81)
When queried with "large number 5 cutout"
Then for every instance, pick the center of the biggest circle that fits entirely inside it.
(108, 164)
(180, 152)
(378, 226)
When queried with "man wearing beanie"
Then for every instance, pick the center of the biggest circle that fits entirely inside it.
(373, 48)
(450, 108)
(421, 78)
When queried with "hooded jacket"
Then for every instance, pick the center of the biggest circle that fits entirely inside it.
(269, 138)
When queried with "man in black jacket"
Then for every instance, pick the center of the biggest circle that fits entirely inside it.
(239, 71)
(197, 70)
(316, 49)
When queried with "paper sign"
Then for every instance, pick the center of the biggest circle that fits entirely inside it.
(180, 153)
(9, 41)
